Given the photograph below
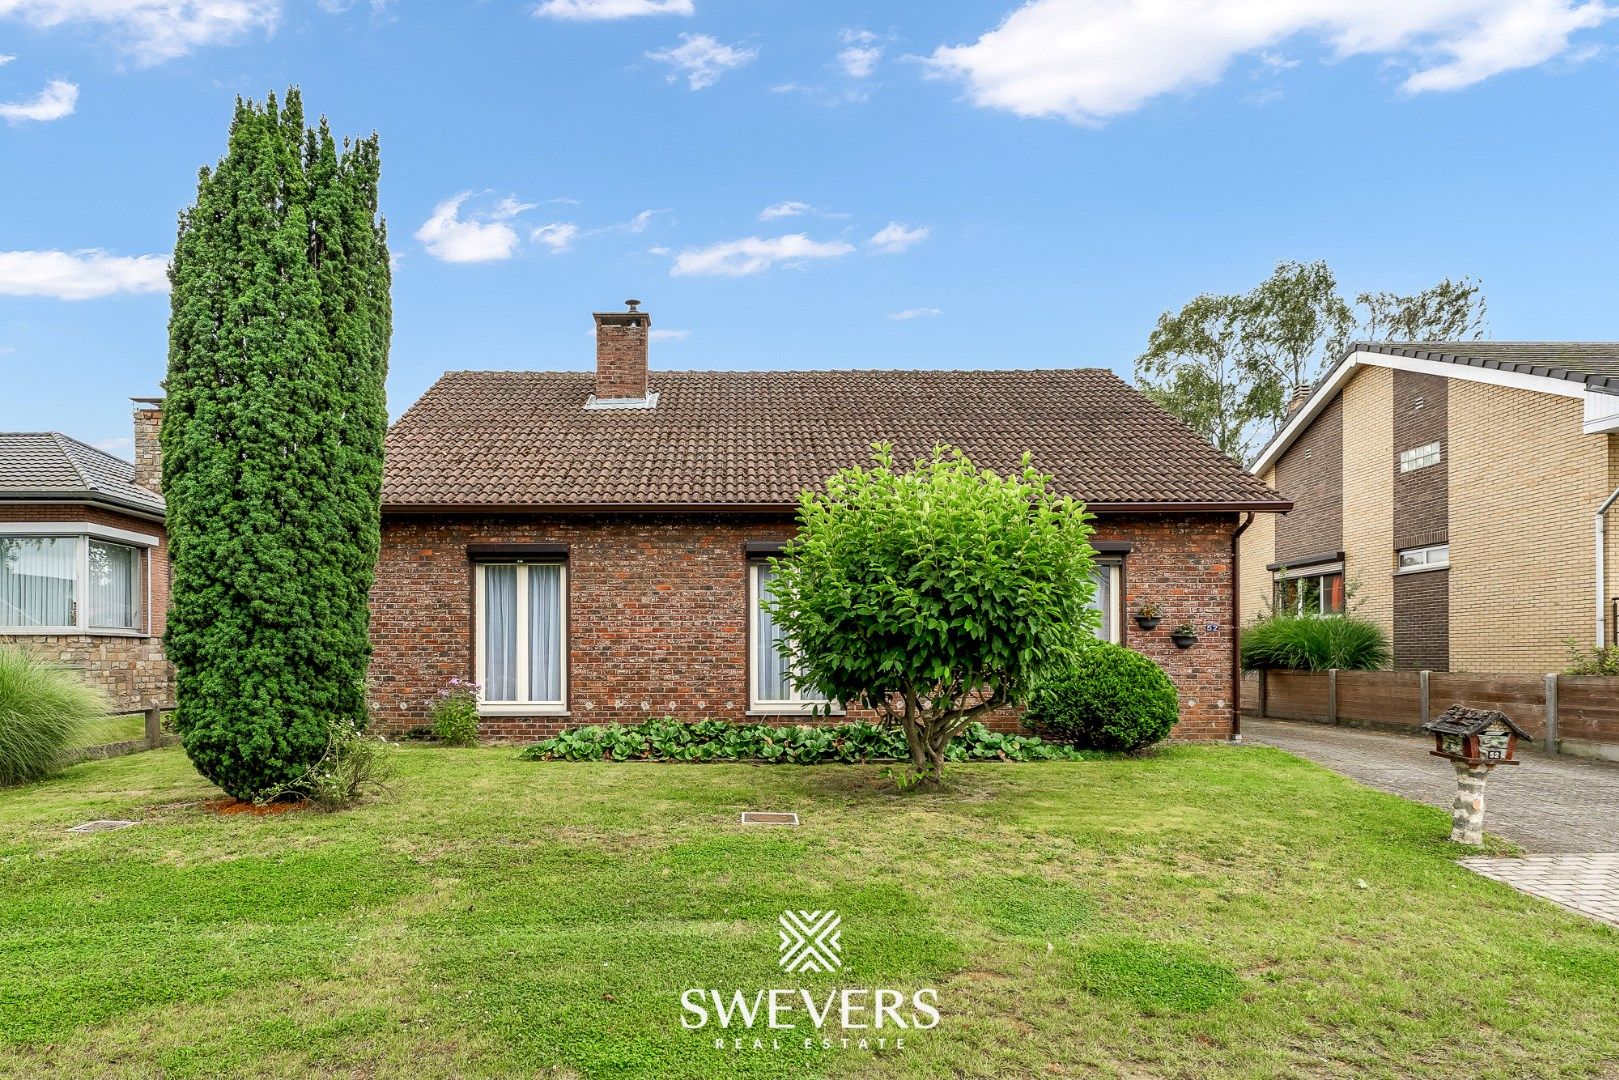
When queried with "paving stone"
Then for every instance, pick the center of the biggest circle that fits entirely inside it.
(1588, 885)
(1546, 804)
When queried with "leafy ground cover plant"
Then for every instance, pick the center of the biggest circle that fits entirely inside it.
(1108, 698)
(716, 740)
(43, 709)
(455, 714)
(1315, 643)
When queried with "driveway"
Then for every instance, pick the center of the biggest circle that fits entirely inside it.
(1547, 805)
(1564, 811)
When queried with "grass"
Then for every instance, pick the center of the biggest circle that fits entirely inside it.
(111, 729)
(1195, 913)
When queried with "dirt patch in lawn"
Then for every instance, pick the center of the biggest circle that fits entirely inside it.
(238, 806)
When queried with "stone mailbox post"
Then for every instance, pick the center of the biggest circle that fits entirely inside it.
(1475, 741)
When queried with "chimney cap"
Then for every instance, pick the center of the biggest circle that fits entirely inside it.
(147, 400)
(632, 304)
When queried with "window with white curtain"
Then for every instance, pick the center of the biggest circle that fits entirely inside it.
(522, 635)
(1108, 600)
(772, 687)
(71, 583)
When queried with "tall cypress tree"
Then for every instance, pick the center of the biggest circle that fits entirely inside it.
(272, 445)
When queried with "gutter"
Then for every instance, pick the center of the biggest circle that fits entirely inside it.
(1236, 614)
(1271, 506)
(1602, 585)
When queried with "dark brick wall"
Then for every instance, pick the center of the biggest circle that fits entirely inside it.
(621, 355)
(658, 613)
(1311, 473)
(1421, 513)
(132, 670)
(1422, 620)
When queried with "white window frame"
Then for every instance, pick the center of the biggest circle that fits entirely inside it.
(83, 532)
(1420, 457)
(1115, 569)
(757, 706)
(1434, 557)
(518, 708)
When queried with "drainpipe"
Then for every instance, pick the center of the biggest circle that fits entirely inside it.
(1236, 613)
(1602, 587)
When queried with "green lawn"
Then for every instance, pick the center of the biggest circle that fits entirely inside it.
(1205, 911)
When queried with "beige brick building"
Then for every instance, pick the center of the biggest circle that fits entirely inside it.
(1450, 492)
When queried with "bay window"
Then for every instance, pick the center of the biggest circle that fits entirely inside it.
(77, 578)
(522, 636)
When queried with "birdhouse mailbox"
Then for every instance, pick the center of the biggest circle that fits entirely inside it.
(1475, 736)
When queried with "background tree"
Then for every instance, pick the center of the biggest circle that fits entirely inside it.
(1193, 367)
(272, 445)
(1230, 365)
(933, 595)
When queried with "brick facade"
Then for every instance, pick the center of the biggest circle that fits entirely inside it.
(1422, 621)
(1369, 463)
(1421, 502)
(621, 354)
(1311, 474)
(658, 613)
(132, 669)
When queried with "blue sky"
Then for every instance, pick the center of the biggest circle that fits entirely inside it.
(782, 182)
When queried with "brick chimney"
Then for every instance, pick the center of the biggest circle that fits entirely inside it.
(1301, 394)
(148, 456)
(621, 338)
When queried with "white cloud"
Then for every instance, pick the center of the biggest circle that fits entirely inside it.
(702, 59)
(448, 236)
(669, 335)
(861, 54)
(639, 223)
(80, 275)
(789, 208)
(57, 100)
(597, 10)
(5, 59)
(914, 313)
(112, 446)
(750, 255)
(558, 236)
(154, 30)
(894, 238)
(510, 207)
(1089, 60)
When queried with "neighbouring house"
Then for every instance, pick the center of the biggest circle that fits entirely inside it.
(592, 546)
(84, 576)
(1452, 492)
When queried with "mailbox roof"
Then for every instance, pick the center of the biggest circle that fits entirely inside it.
(1460, 720)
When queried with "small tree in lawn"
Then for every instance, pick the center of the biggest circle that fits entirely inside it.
(933, 595)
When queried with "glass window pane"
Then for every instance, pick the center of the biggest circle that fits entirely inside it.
(500, 633)
(36, 580)
(1333, 593)
(545, 642)
(1103, 601)
(770, 667)
(114, 589)
(1410, 558)
(1310, 595)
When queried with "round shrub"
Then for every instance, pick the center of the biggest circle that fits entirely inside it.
(42, 709)
(1108, 698)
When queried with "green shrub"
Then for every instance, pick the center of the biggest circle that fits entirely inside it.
(1107, 698)
(1592, 661)
(455, 714)
(43, 709)
(354, 765)
(717, 740)
(1315, 643)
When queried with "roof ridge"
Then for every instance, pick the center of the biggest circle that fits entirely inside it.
(72, 463)
(798, 371)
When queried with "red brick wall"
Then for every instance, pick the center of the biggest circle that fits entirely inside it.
(621, 355)
(133, 670)
(658, 613)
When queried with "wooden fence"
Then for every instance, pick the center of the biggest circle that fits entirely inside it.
(1566, 714)
(152, 738)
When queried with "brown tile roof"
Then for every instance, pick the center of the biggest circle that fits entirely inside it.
(757, 438)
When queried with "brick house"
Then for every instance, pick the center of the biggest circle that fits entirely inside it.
(1453, 489)
(591, 546)
(84, 575)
